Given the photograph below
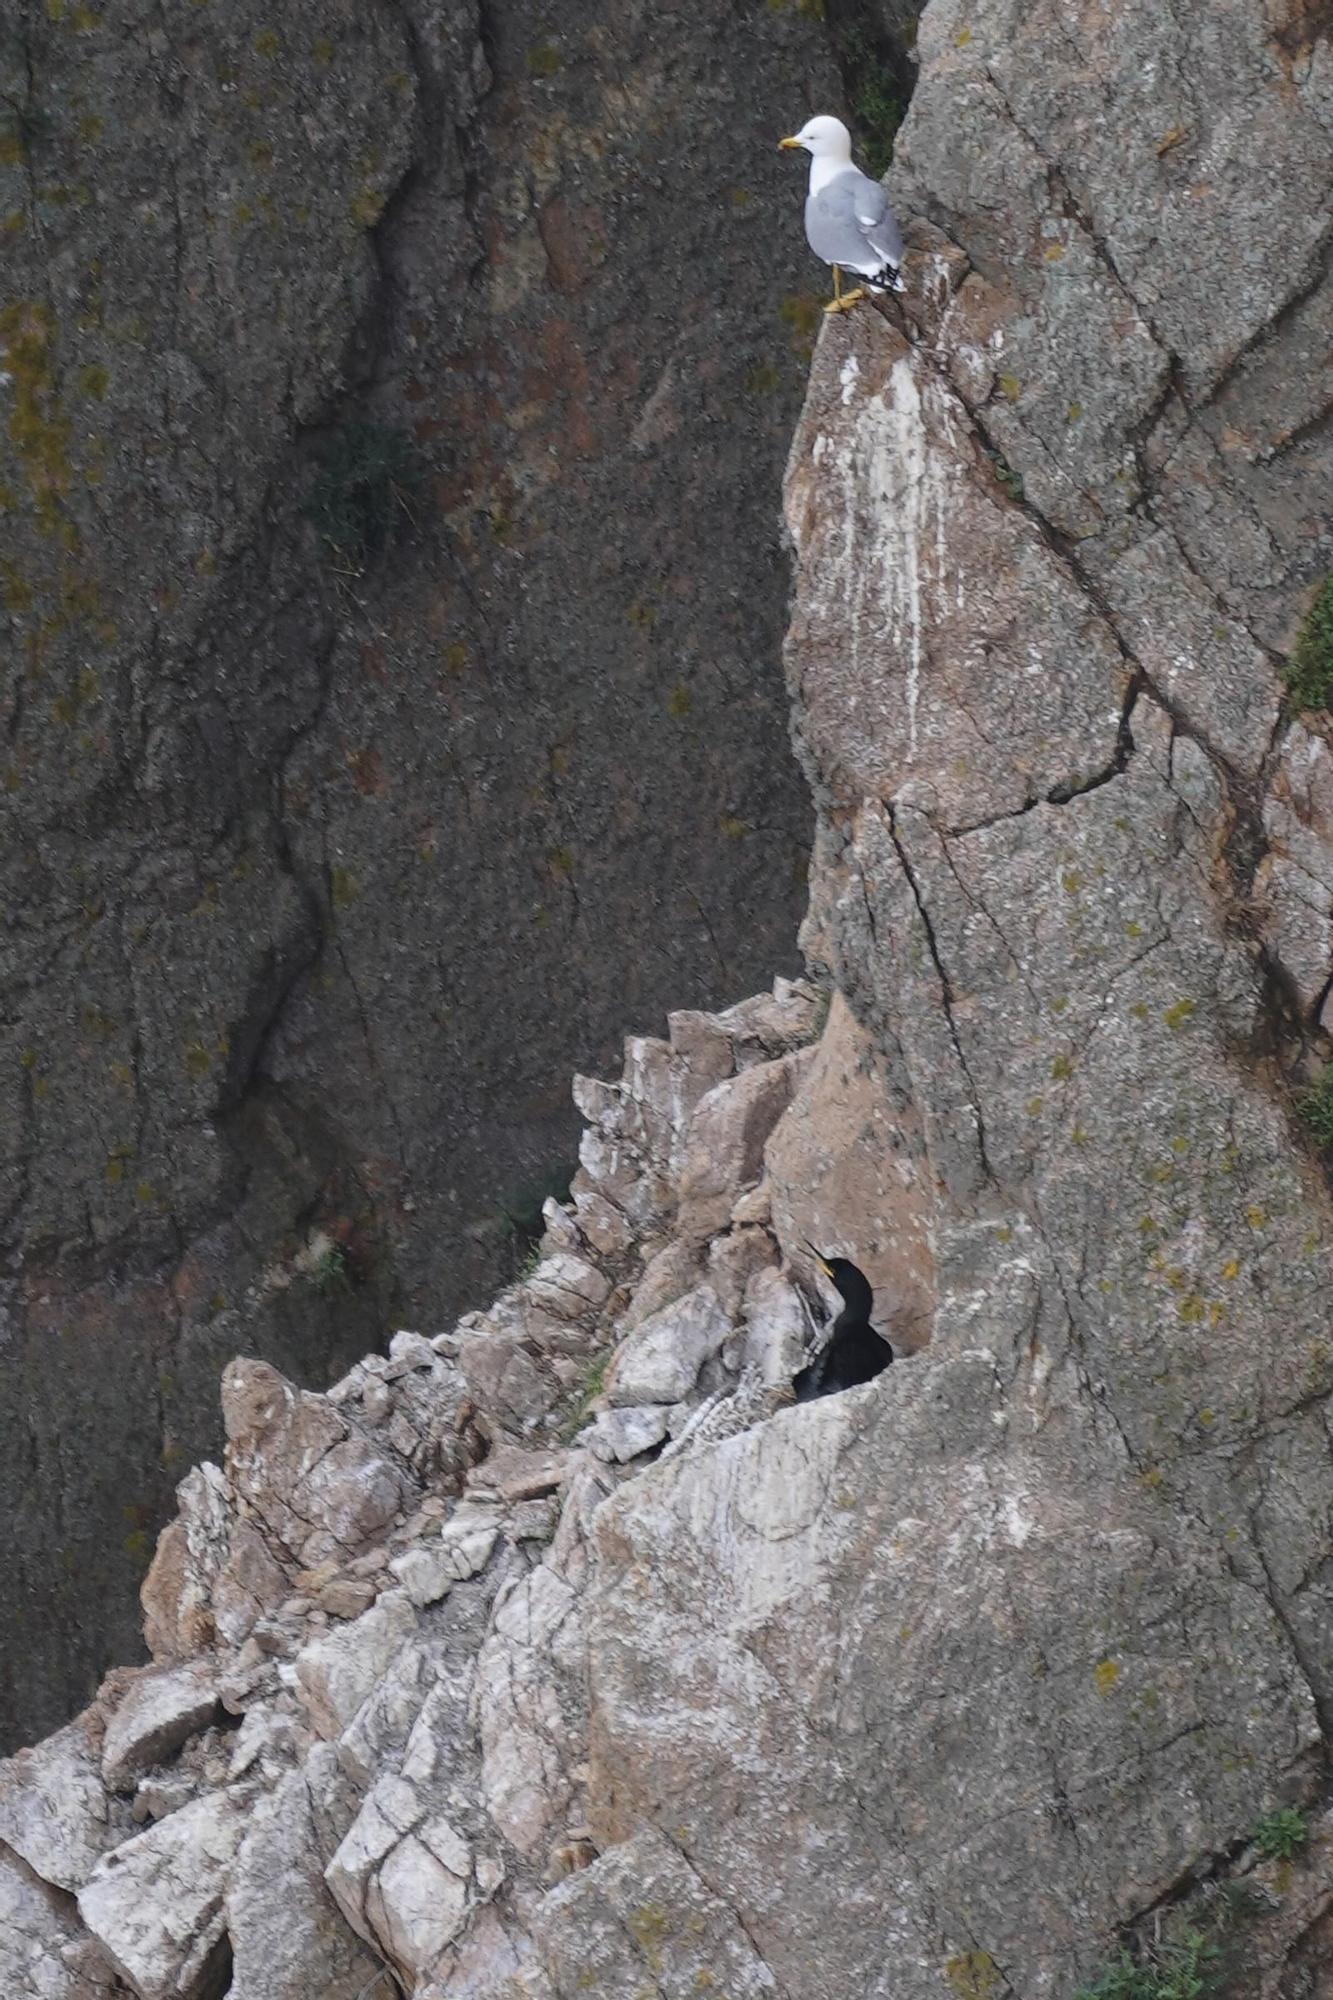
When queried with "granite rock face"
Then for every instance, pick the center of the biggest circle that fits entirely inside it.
(343, 819)
(636, 1679)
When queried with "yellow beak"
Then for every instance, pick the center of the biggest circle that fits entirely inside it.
(824, 1267)
(789, 145)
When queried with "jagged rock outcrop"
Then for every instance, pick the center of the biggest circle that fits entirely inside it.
(365, 1742)
(330, 849)
(951, 1683)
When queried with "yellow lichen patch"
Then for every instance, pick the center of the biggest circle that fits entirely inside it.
(92, 380)
(1176, 1017)
(544, 59)
(1033, 1107)
(962, 38)
(763, 379)
(972, 1975)
(266, 43)
(1010, 388)
(732, 828)
(89, 130)
(1231, 1269)
(11, 149)
(1256, 1217)
(38, 430)
(1071, 881)
(1054, 253)
(15, 593)
(560, 862)
(367, 208)
(1190, 1309)
(1105, 1675)
(802, 312)
(644, 616)
(197, 1059)
(322, 50)
(679, 701)
(344, 888)
(1062, 1068)
(1207, 1418)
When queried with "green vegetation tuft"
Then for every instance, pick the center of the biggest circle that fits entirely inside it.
(1281, 1834)
(877, 98)
(1316, 1106)
(1309, 671)
(1185, 1969)
(588, 1394)
(359, 499)
(330, 1273)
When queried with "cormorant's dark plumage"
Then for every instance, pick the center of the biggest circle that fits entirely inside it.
(854, 1352)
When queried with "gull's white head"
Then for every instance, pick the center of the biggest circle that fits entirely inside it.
(822, 138)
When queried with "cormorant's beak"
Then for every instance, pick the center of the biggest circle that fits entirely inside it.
(789, 145)
(821, 1261)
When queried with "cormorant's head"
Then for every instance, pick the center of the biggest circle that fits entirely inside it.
(852, 1284)
(822, 138)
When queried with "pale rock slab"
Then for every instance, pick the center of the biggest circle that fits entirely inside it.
(338, 1670)
(289, 1938)
(155, 1905)
(640, 1920)
(725, 1146)
(318, 1486)
(159, 1712)
(54, 1809)
(660, 1361)
(531, 1707)
(40, 1950)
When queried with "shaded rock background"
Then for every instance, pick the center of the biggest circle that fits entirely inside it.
(558, 1654)
(391, 600)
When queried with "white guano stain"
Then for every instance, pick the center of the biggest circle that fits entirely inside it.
(913, 491)
(847, 375)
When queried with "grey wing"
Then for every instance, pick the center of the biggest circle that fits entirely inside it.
(850, 223)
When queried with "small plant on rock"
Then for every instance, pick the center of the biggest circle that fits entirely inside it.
(1281, 1834)
(1186, 1968)
(1316, 1106)
(329, 1271)
(360, 497)
(1309, 671)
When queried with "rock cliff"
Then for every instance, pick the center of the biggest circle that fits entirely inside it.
(392, 601)
(556, 1655)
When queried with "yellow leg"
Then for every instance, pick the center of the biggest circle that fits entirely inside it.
(842, 301)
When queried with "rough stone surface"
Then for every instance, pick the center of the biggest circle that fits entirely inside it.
(160, 1712)
(958, 1683)
(661, 1360)
(323, 869)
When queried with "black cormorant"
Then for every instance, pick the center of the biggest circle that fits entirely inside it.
(854, 1352)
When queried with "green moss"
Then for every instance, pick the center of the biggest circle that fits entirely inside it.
(1309, 671)
(1316, 1106)
(1281, 1834)
(878, 100)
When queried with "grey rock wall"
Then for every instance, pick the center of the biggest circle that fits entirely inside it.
(324, 863)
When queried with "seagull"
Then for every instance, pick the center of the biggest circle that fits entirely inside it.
(848, 221)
